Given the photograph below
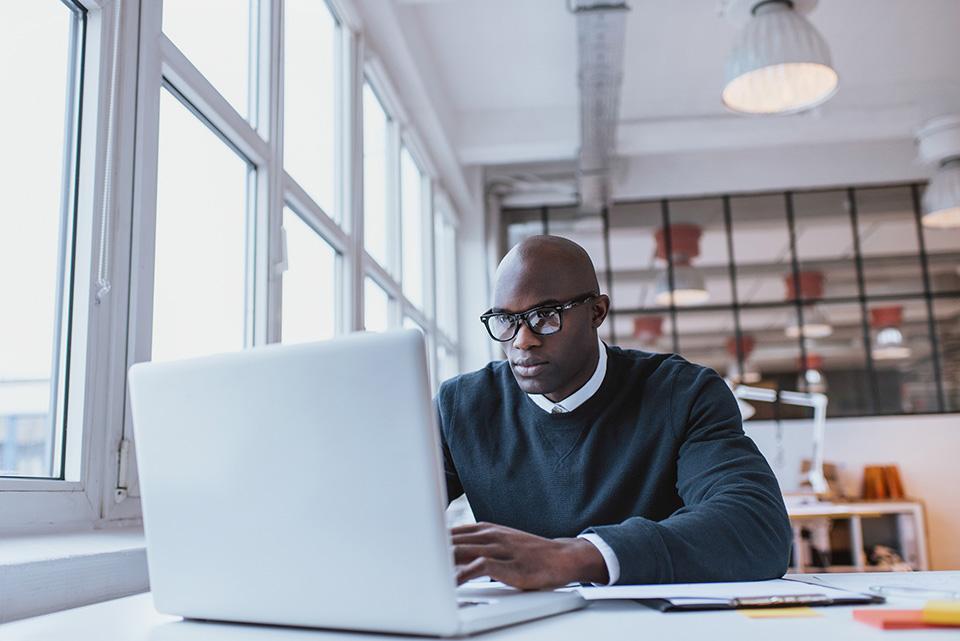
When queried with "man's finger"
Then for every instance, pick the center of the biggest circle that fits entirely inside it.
(471, 570)
(463, 554)
(478, 537)
(471, 527)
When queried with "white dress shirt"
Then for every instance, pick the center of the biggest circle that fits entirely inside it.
(569, 404)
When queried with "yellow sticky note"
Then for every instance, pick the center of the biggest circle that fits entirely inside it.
(780, 613)
(942, 612)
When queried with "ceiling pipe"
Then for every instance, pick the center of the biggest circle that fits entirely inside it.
(601, 33)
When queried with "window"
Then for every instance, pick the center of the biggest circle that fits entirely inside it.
(199, 288)
(38, 183)
(376, 307)
(836, 290)
(311, 46)
(376, 217)
(215, 35)
(309, 283)
(228, 221)
(411, 205)
(445, 268)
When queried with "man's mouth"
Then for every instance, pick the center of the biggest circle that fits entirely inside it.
(529, 369)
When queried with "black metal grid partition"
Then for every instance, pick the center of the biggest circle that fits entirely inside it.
(800, 290)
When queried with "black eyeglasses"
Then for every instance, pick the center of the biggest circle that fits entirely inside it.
(542, 320)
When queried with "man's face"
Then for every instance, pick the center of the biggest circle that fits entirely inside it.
(549, 364)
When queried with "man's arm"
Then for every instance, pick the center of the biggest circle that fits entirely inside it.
(444, 404)
(733, 525)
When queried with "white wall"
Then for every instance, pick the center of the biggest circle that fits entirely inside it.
(767, 168)
(926, 448)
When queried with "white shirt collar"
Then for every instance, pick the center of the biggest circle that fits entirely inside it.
(581, 396)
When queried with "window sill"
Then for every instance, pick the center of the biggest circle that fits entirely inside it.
(49, 572)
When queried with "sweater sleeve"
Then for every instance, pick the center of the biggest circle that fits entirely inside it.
(733, 524)
(445, 403)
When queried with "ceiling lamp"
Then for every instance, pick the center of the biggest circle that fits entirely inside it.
(688, 286)
(811, 375)
(750, 374)
(780, 63)
(888, 342)
(648, 329)
(815, 324)
(939, 145)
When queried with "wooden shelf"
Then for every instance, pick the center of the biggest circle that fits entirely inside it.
(847, 531)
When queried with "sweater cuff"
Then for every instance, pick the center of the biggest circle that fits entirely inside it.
(640, 549)
(609, 557)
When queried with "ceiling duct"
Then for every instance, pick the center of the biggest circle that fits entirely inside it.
(601, 31)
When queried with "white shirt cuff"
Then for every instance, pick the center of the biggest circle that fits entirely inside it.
(609, 556)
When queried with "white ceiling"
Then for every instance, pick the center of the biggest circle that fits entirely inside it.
(506, 70)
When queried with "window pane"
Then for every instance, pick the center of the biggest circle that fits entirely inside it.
(310, 98)
(199, 277)
(633, 259)
(376, 307)
(703, 338)
(309, 284)
(825, 243)
(701, 263)
(946, 311)
(446, 275)
(943, 255)
(375, 219)
(411, 187)
(888, 241)
(215, 36)
(447, 363)
(903, 357)
(33, 228)
(771, 358)
(761, 247)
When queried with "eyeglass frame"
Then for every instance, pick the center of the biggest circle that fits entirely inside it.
(523, 317)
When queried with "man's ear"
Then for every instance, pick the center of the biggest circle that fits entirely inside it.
(600, 309)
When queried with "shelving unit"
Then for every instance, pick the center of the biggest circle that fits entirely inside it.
(838, 537)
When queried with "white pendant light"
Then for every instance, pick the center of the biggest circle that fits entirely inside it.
(780, 63)
(888, 343)
(688, 284)
(939, 145)
(688, 287)
(815, 323)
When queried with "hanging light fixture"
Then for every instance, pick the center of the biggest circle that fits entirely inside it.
(811, 374)
(750, 373)
(648, 329)
(888, 343)
(815, 323)
(939, 145)
(688, 286)
(780, 63)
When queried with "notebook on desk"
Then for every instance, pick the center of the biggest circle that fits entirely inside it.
(679, 597)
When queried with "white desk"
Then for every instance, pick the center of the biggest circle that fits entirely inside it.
(134, 619)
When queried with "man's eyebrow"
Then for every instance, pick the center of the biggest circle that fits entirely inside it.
(549, 301)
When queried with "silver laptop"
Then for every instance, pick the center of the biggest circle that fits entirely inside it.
(302, 485)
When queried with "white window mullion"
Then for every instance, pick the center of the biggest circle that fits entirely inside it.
(267, 95)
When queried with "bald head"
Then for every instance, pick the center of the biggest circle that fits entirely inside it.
(547, 265)
(551, 271)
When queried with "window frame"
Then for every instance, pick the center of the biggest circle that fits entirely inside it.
(101, 487)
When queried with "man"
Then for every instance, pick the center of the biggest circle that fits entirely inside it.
(589, 463)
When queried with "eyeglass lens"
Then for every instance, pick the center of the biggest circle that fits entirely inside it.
(545, 321)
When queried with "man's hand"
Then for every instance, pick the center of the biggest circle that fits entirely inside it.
(524, 560)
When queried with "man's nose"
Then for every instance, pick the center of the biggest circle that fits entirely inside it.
(525, 338)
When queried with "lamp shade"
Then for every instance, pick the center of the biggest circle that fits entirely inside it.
(941, 200)
(688, 287)
(779, 64)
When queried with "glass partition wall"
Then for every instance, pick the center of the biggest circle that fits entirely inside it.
(837, 290)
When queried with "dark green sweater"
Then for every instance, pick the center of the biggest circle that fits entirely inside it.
(656, 463)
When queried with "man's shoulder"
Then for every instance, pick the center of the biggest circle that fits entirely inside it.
(662, 367)
(483, 381)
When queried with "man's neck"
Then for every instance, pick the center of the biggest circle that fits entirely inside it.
(581, 379)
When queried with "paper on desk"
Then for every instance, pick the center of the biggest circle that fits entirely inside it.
(697, 593)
